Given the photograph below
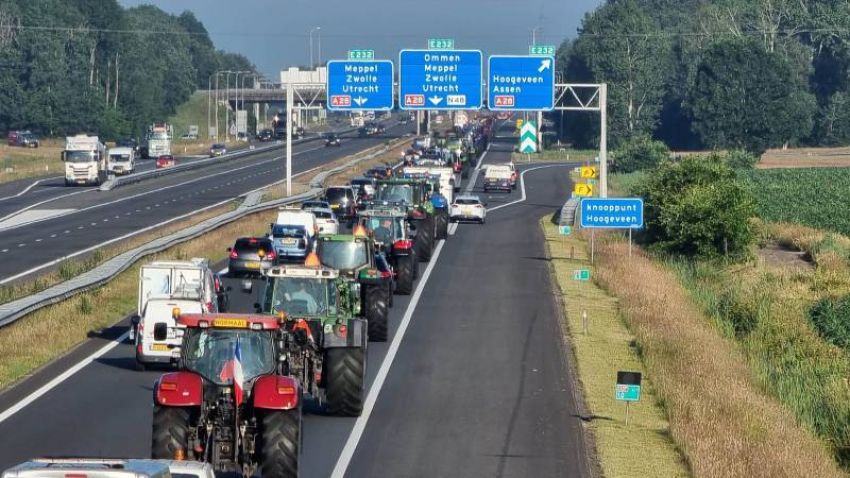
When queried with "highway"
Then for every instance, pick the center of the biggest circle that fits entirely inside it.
(87, 218)
(474, 380)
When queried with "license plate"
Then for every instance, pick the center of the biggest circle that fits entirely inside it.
(252, 265)
(240, 323)
(334, 206)
(159, 348)
(289, 241)
(466, 211)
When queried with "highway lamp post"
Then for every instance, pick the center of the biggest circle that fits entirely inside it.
(209, 106)
(312, 63)
(227, 109)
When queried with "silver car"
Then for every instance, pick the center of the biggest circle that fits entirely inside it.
(468, 207)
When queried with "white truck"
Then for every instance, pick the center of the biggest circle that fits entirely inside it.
(448, 178)
(122, 160)
(158, 141)
(164, 286)
(85, 160)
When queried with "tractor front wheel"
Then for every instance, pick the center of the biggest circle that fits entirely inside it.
(280, 443)
(170, 432)
(425, 239)
(441, 218)
(377, 312)
(345, 370)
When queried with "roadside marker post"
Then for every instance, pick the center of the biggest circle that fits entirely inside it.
(627, 389)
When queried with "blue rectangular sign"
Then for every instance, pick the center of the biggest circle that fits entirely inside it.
(612, 213)
(521, 83)
(360, 85)
(440, 80)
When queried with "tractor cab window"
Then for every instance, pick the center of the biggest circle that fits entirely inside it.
(386, 229)
(396, 193)
(343, 255)
(212, 353)
(301, 297)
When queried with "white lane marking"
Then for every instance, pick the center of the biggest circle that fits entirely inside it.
(372, 396)
(5, 251)
(223, 271)
(31, 206)
(522, 186)
(60, 378)
(53, 235)
(141, 231)
(38, 240)
(452, 228)
(27, 189)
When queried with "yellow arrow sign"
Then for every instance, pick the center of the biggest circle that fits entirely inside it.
(589, 172)
(583, 190)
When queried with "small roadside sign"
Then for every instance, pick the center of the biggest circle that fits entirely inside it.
(565, 230)
(589, 172)
(541, 50)
(441, 43)
(612, 213)
(361, 54)
(628, 386)
(583, 190)
(581, 275)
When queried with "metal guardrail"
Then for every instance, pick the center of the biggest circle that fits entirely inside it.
(16, 309)
(569, 212)
(155, 173)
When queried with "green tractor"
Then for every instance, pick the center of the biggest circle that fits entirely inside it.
(357, 259)
(411, 196)
(388, 226)
(326, 340)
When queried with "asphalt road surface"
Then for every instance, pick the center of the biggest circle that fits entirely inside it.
(89, 218)
(473, 381)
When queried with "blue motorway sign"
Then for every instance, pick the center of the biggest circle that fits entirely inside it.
(440, 80)
(521, 83)
(360, 85)
(612, 213)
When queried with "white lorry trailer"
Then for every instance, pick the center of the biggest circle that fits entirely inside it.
(164, 286)
(85, 160)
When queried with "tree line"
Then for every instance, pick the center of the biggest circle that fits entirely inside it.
(71, 66)
(720, 74)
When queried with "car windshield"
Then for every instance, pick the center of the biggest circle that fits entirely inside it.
(119, 157)
(218, 146)
(288, 231)
(386, 229)
(79, 156)
(343, 255)
(396, 193)
(467, 201)
(300, 297)
(212, 352)
(336, 194)
(323, 214)
(158, 136)
(252, 245)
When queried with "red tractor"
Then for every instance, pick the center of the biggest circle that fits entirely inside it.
(231, 404)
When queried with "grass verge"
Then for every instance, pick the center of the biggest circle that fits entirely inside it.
(50, 332)
(643, 446)
(720, 415)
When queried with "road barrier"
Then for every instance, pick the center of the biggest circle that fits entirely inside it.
(16, 309)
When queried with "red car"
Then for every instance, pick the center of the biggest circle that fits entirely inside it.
(165, 161)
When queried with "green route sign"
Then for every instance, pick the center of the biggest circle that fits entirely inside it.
(565, 230)
(542, 50)
(528, 137)
(361, 54)
(582, 275)
(441, 44)
(628, 387)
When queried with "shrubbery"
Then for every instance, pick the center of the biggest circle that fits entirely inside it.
(639, 153)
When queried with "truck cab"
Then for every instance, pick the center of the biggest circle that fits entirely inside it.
(166, 286)
(122, 160)
(85, 160)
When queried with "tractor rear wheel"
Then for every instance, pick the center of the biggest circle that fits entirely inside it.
(406, 272)
(345, 376)
(425, 239)
(377, 312)
(441, 218)
(170, 431)
(280, 443)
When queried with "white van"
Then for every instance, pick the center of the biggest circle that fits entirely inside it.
(89, 468)
(164, 286)
(121, 161)
(293, 233)
(447, 178)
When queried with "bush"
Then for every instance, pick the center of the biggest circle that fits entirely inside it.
(739, 159)
(639, 153)
(697, 207)
(829, 317)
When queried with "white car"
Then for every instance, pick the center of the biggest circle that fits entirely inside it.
(468, 207)
(325, 220)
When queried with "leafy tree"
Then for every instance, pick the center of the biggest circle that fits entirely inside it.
(747, 97)
(639, 153)
(696, 207)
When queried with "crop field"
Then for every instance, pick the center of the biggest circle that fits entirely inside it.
(813, 197)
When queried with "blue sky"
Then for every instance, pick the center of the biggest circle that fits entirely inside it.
(274, 33)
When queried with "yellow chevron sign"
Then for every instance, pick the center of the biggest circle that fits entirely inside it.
(589, 172)
(583, 190)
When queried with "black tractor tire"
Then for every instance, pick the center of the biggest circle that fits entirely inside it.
(377, 312)
(406, 274)
(464, 172)
(280, 443)
(425, 239)
(345, 370)
(170, 431)
(441, 218)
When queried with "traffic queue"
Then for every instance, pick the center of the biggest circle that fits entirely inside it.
(324, 277)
